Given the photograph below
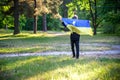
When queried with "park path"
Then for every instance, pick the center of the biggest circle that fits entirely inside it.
(90, 53)
(115, 50)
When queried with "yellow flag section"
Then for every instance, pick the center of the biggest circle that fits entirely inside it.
(81, 30)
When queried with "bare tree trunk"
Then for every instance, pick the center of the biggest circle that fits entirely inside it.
(95, 24)
(16, 17)
(44, 22)
(65, 10)
(35, 18)
(35, 24)
(94, 16)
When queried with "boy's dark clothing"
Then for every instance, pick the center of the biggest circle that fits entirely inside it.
(74, 37)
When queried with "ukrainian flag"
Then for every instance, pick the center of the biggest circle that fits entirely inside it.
(81, 27)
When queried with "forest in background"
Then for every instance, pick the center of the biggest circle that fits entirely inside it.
(44, 14)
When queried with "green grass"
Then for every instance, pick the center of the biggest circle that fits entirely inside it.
(55, 67)
(29, 42)
(59, 68)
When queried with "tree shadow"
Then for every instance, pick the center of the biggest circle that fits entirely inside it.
(28, 44)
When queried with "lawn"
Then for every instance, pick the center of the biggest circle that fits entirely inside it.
(59, 68)
(27, 42)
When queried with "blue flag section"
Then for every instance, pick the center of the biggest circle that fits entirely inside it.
(81, 27)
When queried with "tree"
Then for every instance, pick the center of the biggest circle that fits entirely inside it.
(49, 6)
(6, 13)
(43, 7)
(93, 13)
(13, 10)
(87, 9)
(64, 8)
(111, 10)
(35, 16)
(111, 5)
(16, 17)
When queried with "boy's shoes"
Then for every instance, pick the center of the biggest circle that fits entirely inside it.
(77, 57)
(73, 57)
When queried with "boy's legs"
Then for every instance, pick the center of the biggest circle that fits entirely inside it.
(77, 48)
(72, 48)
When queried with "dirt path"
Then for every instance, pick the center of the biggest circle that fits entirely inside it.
(85, 53)
(114, 51)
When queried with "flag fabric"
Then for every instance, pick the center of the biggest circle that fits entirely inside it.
(81, 27)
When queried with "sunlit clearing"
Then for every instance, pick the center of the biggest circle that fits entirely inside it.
(89, 71)
(60, 68)
(24, 35)
(43, 34)
(34, 49)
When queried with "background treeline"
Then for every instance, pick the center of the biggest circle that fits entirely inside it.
(44, 14)
(52, 23)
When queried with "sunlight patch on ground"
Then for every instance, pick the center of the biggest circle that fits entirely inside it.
(34, 49)
(26, 35)
(76, 72)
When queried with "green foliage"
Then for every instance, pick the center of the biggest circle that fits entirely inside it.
(107, 13)
(111, 12)
(112, 24)
(81, 6)
(6, 8)
(108, 28)
(52, 23)
(8, 22)
(112, 17)
(6, 19)
(29, 24)
(22, 21)
(117, 30)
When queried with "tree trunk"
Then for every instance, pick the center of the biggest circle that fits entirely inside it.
(65, 10)
(35, 18)
(35, 24)
(94, 16)
(44, 22)
(16, 17)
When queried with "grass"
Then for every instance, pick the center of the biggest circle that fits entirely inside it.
(59, 68)
(55, 67)
(28, 42)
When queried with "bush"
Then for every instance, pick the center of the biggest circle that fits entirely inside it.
(108, 28)
(53, 24)
(22, 21)
(117, 30)
(111, 24)
(29, 24)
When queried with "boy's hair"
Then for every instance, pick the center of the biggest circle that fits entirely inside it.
(75, 17)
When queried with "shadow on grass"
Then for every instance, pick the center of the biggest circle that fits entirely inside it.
(34, 39)
(26, 67)
(30, 44)
(21, 68)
